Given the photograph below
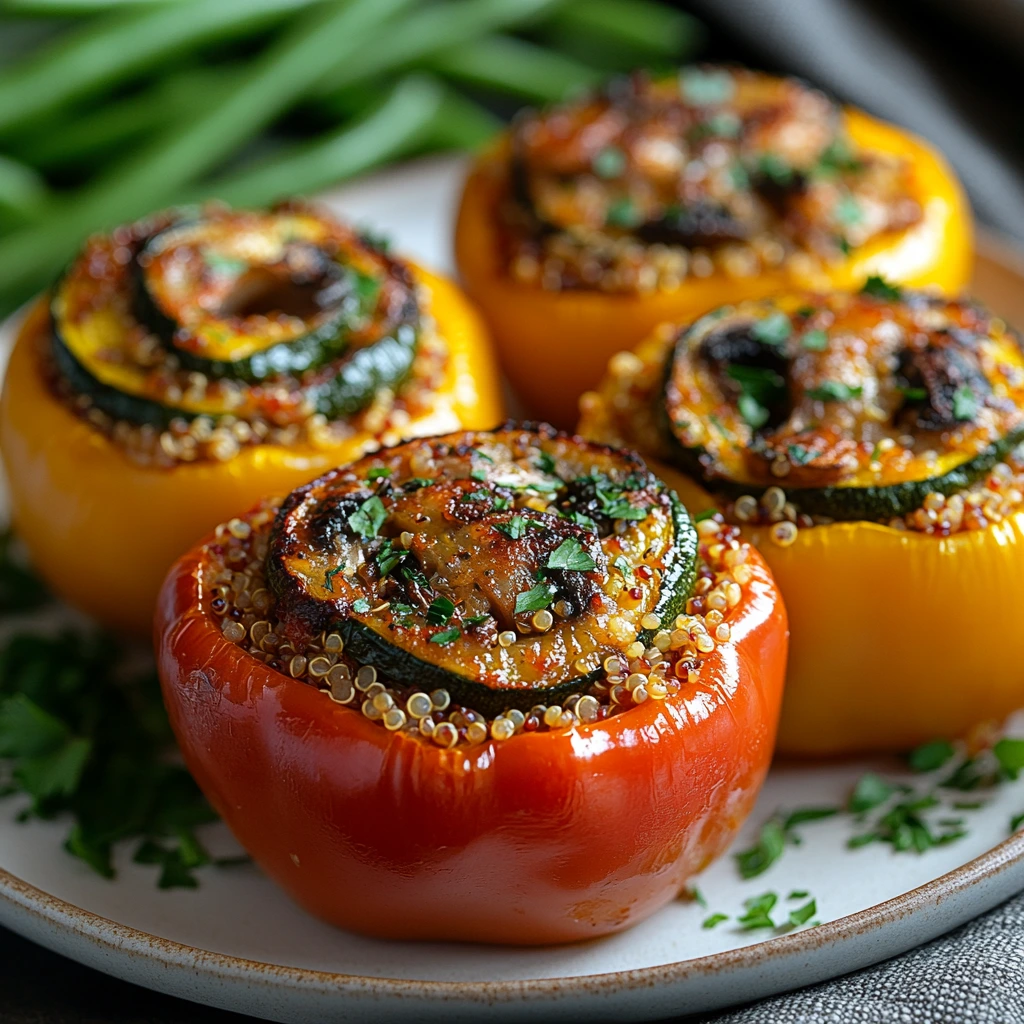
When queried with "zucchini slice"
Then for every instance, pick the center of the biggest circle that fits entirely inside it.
(248, 295)
(858, 406)
(504, 567)
(315, 321)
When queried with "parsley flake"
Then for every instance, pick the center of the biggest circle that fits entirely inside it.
(369, 518)
(815, 341)
(570, 555)
(621, 563)
(447, 637)
(513, 529)
(834, 391)
(361, 606)
(878, 288)
(714, 919)
(965, 404)
(610, 162)
(534, 599)
(930, 756)
(773, 329)
(329, 578)
(440, 611)
(378, 473)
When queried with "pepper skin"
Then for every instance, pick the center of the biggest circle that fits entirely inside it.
(572, 334)
(541, 838)
(898, 637)
(101, 531)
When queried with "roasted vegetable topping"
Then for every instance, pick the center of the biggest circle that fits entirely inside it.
(859, 406)
(269, 326)
(399, 691)
(483, 563)
(653, 179)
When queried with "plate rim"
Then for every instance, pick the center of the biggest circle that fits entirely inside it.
(54, 911)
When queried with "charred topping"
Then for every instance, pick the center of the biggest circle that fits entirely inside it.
(483, 560)
(709, 158)
(823, 395)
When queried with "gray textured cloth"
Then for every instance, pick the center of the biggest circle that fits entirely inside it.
(948, 69)
(974, 975)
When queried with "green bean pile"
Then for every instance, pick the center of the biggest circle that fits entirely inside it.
(112, 108)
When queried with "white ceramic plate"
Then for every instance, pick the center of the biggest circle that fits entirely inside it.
(238, 943)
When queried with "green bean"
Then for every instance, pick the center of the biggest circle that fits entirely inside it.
(111, 49)
(390, 131)
(22, 190)
(102, 131)
(652, 27)
(511, 65)
(436, 27)
(160, 171)
(462, 124)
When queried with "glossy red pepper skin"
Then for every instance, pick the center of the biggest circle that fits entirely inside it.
(548, 837)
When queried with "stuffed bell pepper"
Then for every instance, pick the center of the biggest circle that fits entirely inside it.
(869, 445)
(492, 687)
(659, 198)
(187, 365)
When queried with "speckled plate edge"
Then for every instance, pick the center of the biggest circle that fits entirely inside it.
(302, 996)
(306, 996)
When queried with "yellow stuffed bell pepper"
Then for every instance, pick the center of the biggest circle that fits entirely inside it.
(191, 364)
(868, 445)
(589, 224)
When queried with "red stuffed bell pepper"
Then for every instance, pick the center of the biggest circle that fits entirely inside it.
(491, 687)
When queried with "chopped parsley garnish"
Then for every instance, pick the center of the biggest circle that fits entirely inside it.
(706, 88)
(799, 455)
(838, 156)
(500, 504)
(621, 563)
(369, 518)
(815, 341)
(714, 919)
(834, 391)
(378, 473)
(965, 404)
(546, 462)
(848, 210)
(870, 791)
(912, 394)
(570, 555)
(415, 483)
(513, 529)
(904, 828)
(388, 557)
(329, 578)
(1010, 755)
(534, 599)
(775, 833)
(447, 637)
(580, 520)
(361, 606)
(803, 914)
(775, 169)
(878, 288)
(610, 162)
(758, 912)
(752, 412)
(475, 620)
(415, 575)
(706, 513)
(478, 495)
(1016, 821)
(930, 756)
(622, 213)
(798, 894)
(440, 611)
(400, 610)
(479, 475)
(773, 329)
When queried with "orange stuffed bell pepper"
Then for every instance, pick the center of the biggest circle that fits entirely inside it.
(590, 223)
(869, 446)
(501, 662)
(188, 365)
